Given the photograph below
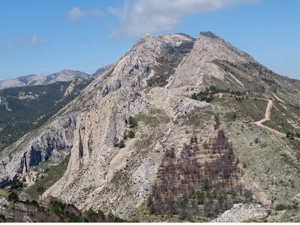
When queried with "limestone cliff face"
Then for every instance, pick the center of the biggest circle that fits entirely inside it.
(243, 213)
(37, 146)
(100, 175)
(208, 47)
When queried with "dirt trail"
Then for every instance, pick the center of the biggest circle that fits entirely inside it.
(267, 118)
(267, 114)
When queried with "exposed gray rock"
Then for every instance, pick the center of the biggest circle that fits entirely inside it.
(101, 176)
(18, 158)
(199, 63)
(243, 213)
(119, 180)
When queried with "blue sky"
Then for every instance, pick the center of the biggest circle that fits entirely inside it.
(43, 37)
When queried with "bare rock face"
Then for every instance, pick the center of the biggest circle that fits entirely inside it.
(243, 213)
(114, 179)
(36, 146)
(207, 48)
(118, 180)
(10, 83)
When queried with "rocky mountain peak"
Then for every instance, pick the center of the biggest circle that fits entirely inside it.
(114, 163)
(200, 61)
(209, 34)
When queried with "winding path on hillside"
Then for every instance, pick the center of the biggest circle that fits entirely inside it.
(267, 118)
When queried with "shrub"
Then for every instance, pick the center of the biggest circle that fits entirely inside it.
(2, 218)
(132, 122)
(13, 197)
(131, 134)
(121, 144)
(40, 189)
(280, 207)
(55, 209)
(15, 183)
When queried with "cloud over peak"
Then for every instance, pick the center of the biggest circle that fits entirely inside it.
(138, 17)
(76, 14)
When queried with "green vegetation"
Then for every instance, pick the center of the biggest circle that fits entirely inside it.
(129, 133)
(147, 119)
(186, 189)
(132, 122)
(208, 94)
(69, 213)
(55, 211)
(242, 108)
(285, 118)
(269, 159)
(159, 81)
(280, 206)
(50, 176)
(268, 81)
(15, 184)
(13, 197)
(2, 218)
(24, 109)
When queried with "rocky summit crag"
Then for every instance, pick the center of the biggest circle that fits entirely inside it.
(148, 136)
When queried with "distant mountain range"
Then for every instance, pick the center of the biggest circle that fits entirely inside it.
(32, 80)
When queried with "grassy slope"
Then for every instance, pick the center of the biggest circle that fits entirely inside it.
(270, 161)
(49, 173)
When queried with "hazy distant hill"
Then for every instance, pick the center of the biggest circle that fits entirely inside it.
(26, 108)
(30, 80)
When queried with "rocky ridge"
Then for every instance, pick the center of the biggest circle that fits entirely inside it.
(20, 157)
(31, 80)
(120, 179)
(152, 83)
(243, 213)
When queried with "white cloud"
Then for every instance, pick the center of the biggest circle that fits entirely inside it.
(138, 17)
(32, 40)
(76, 14)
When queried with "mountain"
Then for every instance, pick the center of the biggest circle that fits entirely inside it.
(178, 129)
(101, 70)
(31, 80)
(26, 108)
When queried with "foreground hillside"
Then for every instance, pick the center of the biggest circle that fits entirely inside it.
(178, 129)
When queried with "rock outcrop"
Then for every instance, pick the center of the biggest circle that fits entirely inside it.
(243, 213)
(153, 83)
(36, 146)
(199, 64)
